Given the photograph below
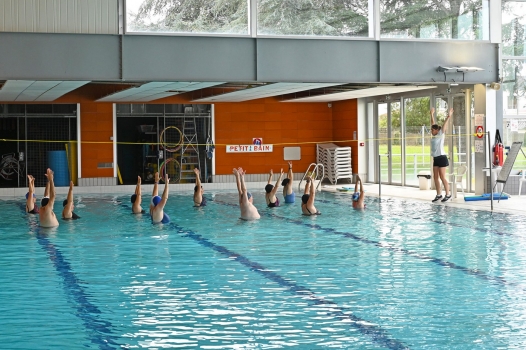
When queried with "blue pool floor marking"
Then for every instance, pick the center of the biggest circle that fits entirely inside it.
(440, 262)
(99, 331)
(377, 334)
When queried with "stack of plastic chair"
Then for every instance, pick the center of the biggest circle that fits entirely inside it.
(336, 161)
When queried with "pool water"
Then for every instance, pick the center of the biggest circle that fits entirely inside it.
(400, 275)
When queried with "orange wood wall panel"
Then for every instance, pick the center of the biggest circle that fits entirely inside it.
(278, 123)
(96, 125)
(345, 122)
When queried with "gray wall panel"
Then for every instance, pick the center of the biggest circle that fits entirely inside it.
(171, 58)
(59, 57)
(303, 60)
(409, 61)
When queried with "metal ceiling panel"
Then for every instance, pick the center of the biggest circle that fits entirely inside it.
(155, 90)
(31, 91)
(368, 92)
(263, 91)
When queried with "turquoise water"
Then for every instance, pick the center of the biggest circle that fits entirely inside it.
(400, 275)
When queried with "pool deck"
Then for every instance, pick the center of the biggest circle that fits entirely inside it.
(513, 205)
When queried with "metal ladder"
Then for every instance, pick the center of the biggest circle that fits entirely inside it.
(189, 151)
(316, 171)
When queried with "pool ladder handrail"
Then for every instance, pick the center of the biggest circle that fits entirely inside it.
(315, 169)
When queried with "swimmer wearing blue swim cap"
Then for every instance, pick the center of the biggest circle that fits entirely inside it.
(157, 204)
(358, 198)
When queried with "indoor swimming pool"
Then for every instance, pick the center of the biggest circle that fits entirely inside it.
(401, 274)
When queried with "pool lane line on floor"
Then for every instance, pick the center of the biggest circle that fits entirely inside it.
(438, 261)
(98, 330)
(377, 334)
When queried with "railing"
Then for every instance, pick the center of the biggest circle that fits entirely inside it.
(313, 168)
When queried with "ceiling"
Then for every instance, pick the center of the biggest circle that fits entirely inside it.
(155, 90)
(262, 91)
(359, 93)
(37, 91)
(202, 92)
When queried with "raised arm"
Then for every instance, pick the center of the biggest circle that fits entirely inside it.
(51, 187)
(432, 112)
(447, 119)
(197, 177)
(164, 198)
(70, 193)
(242, 180)
(238, 181)
(307, 185)
(156, 185)
(290, 175)
(270, 174)
(312, 193)
(276, 186)
(138, 187)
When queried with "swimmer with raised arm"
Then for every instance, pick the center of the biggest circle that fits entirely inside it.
(31, 199)
(158, 203)
(288, 192)
(67, 212)
(440, 161)
(270, 195)
(136, 198)
(358, 198)
(248, 210)
(46, 214)
(307, 200)
(199, 200)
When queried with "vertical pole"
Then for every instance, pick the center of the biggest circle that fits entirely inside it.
(423, 142)
(490, 166)
(414, 164)
(379, 176)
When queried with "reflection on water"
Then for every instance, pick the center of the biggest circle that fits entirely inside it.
(401, 274)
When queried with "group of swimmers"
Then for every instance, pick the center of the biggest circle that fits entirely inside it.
(157, 204)
(45, 212)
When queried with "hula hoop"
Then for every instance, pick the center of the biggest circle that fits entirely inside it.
(167, 146)
(162, 169)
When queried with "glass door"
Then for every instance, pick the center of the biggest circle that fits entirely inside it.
(390, 142)
(417, 138)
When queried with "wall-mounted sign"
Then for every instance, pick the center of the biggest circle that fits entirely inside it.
(479, 130)
(248, 148)
(257, 141)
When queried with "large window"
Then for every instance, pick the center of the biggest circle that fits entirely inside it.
(513, 24)
(313, 18)
(187, 16)
(448, 19)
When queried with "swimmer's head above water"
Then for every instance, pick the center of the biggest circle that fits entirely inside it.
(133, 198)
(156, 200)
(285, 182)
(356, 196)
(27, 195)
(269, 188)
(44, 201)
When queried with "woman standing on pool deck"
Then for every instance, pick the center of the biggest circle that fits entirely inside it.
(440, 161)
(270, 195)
